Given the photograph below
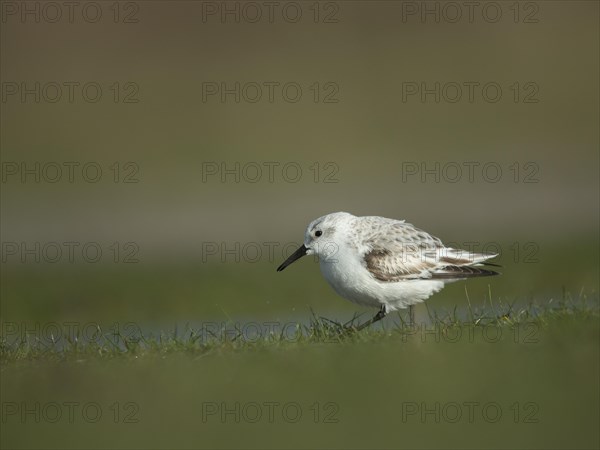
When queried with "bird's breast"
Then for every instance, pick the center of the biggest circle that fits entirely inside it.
(346, 275)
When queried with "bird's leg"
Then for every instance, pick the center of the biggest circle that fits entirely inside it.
(411, 316)
(380, 315)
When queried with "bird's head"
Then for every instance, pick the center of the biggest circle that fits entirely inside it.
(323, 238)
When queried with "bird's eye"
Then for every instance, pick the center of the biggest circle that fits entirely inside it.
(318, 233)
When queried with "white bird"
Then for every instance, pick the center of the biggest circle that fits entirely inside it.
(384, 263)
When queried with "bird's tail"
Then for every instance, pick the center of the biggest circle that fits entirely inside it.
(457, 264)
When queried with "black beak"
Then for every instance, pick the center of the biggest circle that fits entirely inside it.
(293, 257)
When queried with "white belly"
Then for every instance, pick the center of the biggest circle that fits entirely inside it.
(351, 280)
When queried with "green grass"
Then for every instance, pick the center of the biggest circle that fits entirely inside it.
(355, 390)
(130, 341)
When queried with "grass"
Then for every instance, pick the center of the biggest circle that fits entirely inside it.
(543, 378)
(132, 342)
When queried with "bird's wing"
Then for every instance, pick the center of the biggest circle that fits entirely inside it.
(393, 251)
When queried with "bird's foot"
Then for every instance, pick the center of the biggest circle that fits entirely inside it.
(411, 316)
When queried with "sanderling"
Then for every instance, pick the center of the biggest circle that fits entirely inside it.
(384, 263)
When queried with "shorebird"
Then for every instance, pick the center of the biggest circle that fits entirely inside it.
(384, 263)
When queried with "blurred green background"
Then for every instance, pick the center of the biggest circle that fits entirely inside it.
(361, 54)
